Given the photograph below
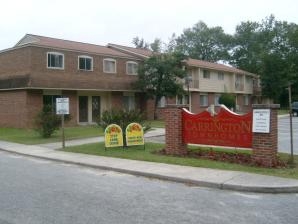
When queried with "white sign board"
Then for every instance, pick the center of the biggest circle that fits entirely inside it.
(261, 121)
(62, 105)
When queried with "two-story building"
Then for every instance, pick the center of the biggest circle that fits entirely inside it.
(95, 78)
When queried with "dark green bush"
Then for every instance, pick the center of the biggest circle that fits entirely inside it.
(47, 122)
(228, 100)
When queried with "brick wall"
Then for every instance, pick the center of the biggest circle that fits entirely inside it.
(71, 77)
(15, 62)
(173, 128)
(13, 110)
(265, 145)
(34, 105)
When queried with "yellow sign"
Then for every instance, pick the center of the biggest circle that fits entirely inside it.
(134, 134)
(113, 136)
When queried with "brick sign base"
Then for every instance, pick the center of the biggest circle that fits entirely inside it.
(264, 145)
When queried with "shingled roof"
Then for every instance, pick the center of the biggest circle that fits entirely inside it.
(35, 40)
(141, 52)
(214, 66)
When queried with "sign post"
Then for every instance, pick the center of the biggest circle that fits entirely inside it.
(62, 108)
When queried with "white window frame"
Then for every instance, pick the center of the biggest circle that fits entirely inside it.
(131, 62)
(110, 60)
(58, 54)
(204, 95)
(85, 57)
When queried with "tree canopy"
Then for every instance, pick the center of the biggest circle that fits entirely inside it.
(268, 48)
(159, 76)
(204, 43)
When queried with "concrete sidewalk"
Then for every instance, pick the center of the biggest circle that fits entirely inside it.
(230, 180)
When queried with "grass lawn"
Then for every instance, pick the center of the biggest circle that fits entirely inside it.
(31, 137)
(137, 153)
(156, 123)
(283, 111)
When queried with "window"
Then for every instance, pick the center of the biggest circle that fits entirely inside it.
(161, 102)
(216, 100)
(50, 100)
(246, 100)
(131, 68)
(85, 63)
(204, 100)
(182, 100)
(239, 85)
(220, 76)
(129, 101)
(109, 65)
(206, 74)
(55, 60)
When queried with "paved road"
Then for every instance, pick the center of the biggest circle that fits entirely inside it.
(284, 135)
(37, 191)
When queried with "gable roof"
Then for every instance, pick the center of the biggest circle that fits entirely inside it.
(35, 40)
(140, 52)
(215, 66)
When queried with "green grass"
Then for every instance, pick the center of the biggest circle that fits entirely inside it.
(283, 111)
(156, 123)
(137, 153)
(31, 137)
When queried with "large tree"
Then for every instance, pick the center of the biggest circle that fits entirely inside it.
(202, 42)
(269, 49)
(159, 76)
(140, 43)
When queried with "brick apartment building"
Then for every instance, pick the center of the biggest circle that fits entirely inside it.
(96, 78)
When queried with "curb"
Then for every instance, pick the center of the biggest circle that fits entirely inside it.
(221, 186)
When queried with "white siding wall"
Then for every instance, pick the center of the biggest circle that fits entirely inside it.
(214, 85)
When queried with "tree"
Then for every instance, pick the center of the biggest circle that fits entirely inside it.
(47, 122)
(159, 76)
(269, 49)
(228, 100)
(204, 43)
(140, 43)
(247, 47)
(156, 46)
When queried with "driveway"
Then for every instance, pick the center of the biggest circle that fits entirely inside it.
(284, 142)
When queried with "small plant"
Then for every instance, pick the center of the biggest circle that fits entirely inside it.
(47, 122)
(228, 100)
(122, 118)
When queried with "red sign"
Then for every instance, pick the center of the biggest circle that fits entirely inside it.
(223, 129)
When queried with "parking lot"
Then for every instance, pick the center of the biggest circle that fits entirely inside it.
(284, 143)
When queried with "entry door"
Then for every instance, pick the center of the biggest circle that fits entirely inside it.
(83, 108)
(95, 108)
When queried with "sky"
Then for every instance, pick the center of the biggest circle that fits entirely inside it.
(119, 21)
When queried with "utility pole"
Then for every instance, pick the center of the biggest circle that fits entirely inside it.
(291, 161)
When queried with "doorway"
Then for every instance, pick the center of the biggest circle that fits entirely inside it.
(89, 109)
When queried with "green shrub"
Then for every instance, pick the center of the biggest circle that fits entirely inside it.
(122, 118)
(47, 122)
(228, 100)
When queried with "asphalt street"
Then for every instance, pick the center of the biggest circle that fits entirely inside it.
(38, 191)
(284, 143)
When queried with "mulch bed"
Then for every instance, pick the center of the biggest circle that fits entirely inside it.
(229, 157)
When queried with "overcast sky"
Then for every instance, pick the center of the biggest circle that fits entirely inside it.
(118, 21)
